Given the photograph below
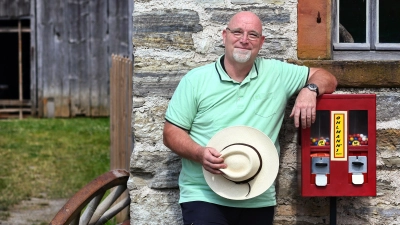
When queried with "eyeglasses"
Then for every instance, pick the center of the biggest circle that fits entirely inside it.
(239, 33)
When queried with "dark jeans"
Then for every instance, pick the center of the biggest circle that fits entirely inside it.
(204, 213)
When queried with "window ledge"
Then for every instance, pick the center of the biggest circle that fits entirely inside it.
(361, 74)
(366, 55)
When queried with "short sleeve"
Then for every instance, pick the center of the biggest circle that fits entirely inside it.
(294, 77)
(182, 108)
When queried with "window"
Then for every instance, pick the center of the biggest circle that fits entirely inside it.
(366, 26)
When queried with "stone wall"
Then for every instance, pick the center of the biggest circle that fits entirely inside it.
(173, 36)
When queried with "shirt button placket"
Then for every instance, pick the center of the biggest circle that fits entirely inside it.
(240, 94)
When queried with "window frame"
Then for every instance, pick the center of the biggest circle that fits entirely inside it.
(372, 31)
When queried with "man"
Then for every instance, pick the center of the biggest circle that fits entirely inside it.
(238, 89)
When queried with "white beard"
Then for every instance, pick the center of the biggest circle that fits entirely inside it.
(241, 55)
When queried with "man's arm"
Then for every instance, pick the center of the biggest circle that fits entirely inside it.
(325, 81)
(179, 141)
(305, 106)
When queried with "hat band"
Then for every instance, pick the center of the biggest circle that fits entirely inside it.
(259, 168)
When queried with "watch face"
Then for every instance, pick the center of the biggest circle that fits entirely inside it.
(312, 86)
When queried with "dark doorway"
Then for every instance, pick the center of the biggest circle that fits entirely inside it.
(9, 59)
(15, 80)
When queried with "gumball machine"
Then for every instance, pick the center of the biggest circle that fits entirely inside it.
(337, 154)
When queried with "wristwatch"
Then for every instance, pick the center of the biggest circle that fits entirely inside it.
(312, 87)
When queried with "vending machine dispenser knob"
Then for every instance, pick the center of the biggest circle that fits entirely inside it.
(320, 167)
(357, 166)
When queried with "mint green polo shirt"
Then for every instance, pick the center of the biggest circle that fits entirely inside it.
(208, 100)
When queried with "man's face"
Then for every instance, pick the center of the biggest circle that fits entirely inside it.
(242, 38)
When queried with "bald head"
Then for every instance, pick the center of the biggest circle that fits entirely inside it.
(245, 18)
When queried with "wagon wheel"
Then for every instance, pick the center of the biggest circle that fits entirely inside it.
(90, 198)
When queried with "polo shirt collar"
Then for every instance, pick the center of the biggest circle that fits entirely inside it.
(225, 77)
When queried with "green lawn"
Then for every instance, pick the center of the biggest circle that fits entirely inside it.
(50, 158)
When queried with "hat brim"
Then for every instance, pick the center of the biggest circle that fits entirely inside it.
(270, 163)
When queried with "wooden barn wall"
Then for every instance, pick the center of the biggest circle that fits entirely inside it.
(74, 43)
(14, 8)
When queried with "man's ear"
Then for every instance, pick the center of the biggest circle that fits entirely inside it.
(262, 41)
(223, 36)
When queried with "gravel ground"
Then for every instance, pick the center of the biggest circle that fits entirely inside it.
(36, 211)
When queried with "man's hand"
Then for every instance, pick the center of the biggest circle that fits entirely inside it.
(211, 161)
(179, 141)
(304, 108)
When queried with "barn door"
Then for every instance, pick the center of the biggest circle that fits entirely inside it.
(74, 43)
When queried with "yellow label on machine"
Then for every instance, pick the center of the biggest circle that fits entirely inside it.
(338, 135)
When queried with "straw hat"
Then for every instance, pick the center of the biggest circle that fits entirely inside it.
(252, 163)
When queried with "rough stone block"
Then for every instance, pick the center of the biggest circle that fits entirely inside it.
(286, 184)
(158, 170)
(177, 40)
(166, 21)
(314, 207)
(165, 28)
(387, 106)
(275, 46)
(213, 2)
(388, 140)
(243, 2)
(167, 175)
(155, 207)
(148, 162)
(149, 122)
(156, 84)
(267, 14)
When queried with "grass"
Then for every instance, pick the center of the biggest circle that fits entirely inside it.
(51, 158)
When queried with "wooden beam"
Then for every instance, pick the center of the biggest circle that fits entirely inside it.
(15, 103)
(15, 110)
(14, 30)
(20, 79)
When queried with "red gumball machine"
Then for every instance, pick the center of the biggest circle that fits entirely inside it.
(337, 155)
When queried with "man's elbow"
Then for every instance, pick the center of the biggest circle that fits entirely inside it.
(327, 78)
(165, 134)
(333, 83)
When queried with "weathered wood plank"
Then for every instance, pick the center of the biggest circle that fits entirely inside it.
(33, 74)
(77, 13)
(120, 116)
(98, 67)
(62, 101)
(14, 8)
(51, 61)
(119, 30)
(120, 112)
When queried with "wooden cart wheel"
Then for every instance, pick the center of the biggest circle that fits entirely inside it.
(87, 206)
